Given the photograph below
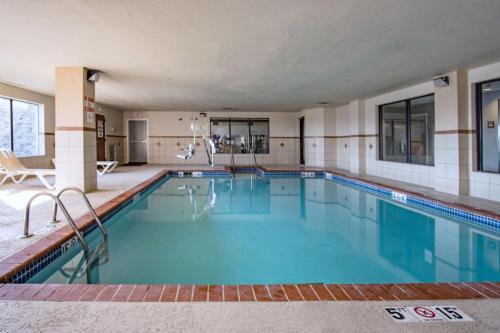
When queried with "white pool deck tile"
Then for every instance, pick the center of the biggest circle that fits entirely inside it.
(234, 317)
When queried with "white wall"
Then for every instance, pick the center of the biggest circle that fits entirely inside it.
(48, 126)
(340, 132)
(169, 131)
(114, 130)
(314, 136)
(46, 129)
(410, 173)
(482, 184)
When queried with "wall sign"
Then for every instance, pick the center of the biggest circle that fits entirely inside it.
(100, 129)
(491, 124)
(89, 108)
(424, 313)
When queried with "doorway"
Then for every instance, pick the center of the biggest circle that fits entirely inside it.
(301, 140)
(137, 141)
(100, 126)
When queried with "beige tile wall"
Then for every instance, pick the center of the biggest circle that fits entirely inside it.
(164, 150)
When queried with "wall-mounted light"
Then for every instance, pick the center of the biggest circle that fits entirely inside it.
(441, 81)
(487, 87)
(93, 75)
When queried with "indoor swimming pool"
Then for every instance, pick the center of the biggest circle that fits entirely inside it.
(277, 230)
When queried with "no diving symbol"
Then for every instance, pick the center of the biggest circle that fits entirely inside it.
(424, 312)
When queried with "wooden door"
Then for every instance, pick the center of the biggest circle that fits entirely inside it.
(100, 124)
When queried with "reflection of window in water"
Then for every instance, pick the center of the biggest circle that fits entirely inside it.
(249, 195)
(407, 247)
(485, 261)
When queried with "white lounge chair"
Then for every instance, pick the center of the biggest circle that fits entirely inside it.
(106, 166)
(11, 168)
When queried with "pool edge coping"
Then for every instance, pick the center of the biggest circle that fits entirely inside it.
(18, 261)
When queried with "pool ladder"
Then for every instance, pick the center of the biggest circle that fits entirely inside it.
(71, 222)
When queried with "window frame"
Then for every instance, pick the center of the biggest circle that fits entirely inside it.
(407, 102)
(11, 119)
(249, 122)
(479, 123)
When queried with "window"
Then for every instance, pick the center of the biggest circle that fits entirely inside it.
(19, 127)
(488, 115)
(406, 131)
(239, 135)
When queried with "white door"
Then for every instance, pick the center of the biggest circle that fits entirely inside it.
(138, 141)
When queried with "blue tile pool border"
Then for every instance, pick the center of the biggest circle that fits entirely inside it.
(417, 201)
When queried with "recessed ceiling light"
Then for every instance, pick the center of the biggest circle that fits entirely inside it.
(323, 103)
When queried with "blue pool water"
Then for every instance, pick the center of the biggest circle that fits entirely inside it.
(279, 230)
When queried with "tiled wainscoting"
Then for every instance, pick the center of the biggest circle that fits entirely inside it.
(45, 161)
(453, 170)
(164, 150)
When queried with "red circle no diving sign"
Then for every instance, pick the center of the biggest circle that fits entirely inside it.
(424, 312)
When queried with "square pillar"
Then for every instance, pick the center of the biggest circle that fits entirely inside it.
(357, 138)
(452, 134)
(75, 129)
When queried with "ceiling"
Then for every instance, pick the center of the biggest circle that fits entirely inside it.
(252, 55)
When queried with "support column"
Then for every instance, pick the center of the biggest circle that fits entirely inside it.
(75, 129)
(357, 137)
(451, 140)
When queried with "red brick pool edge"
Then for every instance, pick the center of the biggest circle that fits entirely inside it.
(247, 293)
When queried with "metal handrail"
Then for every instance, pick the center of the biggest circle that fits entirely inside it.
(254, 159)
(26, 233)
(89, 206)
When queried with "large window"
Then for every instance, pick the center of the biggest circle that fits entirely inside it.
(239, 135)
(406, 131)
(488, 116)
(20, 127)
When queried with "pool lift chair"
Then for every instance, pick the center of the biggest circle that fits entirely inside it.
(190, 150)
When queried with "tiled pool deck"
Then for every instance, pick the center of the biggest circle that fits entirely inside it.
(19, 262)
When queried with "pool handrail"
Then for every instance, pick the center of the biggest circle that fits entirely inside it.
(79, 235)
(89, 206)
